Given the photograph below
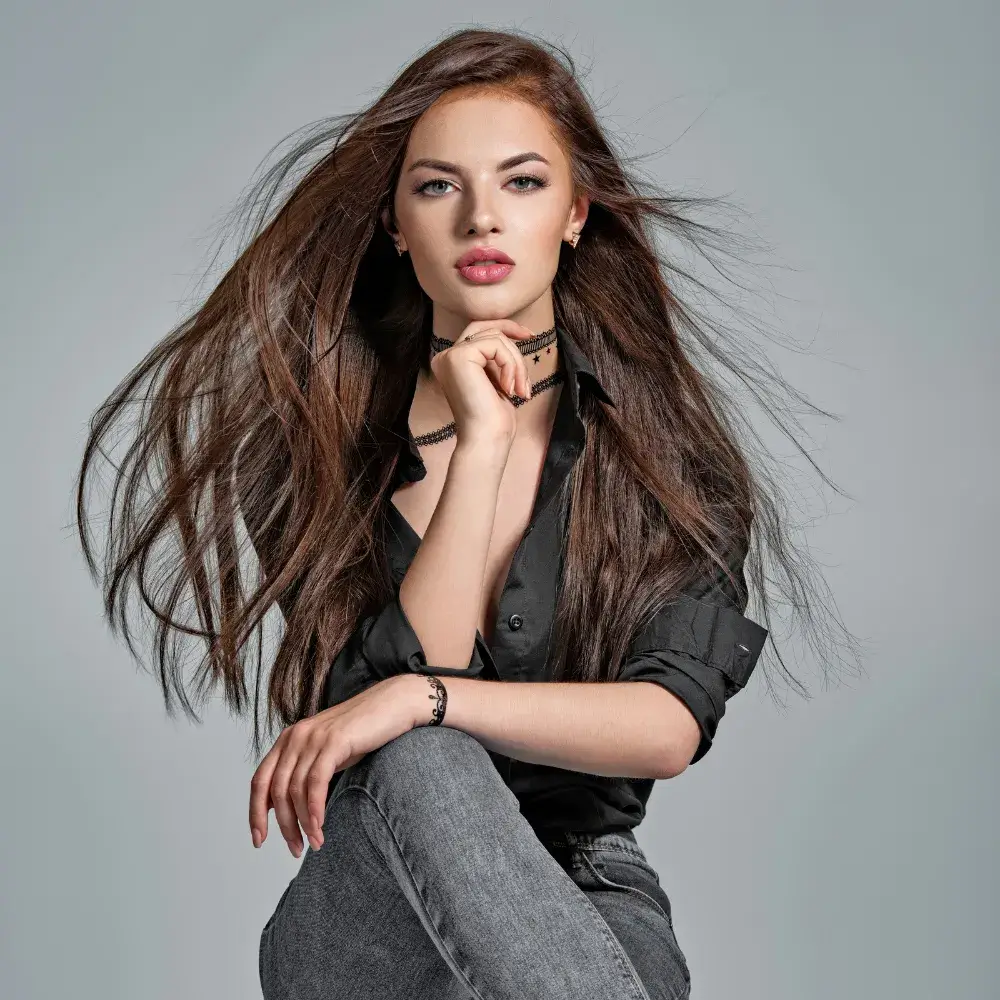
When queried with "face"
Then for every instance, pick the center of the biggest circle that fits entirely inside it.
(474, 194)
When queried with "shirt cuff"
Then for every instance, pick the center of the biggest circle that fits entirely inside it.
(390, 647)
(707, 706)
(385, 645)
(701, 652)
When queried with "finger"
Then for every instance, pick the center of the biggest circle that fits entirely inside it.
(284, 808)
(326, 763)
(298, 787)
(516, 379)
(501, 358)
(493, 370)
(260, 791)
(514, 374)
(325, 766)
(503, 364)
(522, 367)
(260, 803)
(517, 375)
(284, 813)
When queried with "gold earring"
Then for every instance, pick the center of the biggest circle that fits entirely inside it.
(395, 243)
(574, 240)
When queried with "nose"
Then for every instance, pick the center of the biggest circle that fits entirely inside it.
(480, 211)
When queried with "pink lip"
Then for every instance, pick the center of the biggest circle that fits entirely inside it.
(480, 254)
(473, 266)
(485, 274)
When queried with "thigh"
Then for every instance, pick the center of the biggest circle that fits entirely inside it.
(425, 843)
(508, 918)
(344, 928)
(625, 889)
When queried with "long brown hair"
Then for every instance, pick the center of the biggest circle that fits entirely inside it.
(274, 399)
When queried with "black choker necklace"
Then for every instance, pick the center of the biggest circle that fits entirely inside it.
(531, 346)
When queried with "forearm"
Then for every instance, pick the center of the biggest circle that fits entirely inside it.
(626, 729)
(441, 593)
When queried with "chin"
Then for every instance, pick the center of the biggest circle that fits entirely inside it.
(495, 302)
(490, 305)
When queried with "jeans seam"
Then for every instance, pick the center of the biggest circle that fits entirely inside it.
(637, 856)
(630, 888)
(462, 977)
(624, 963)
(634, 852)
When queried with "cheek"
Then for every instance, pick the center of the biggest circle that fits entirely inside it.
(428, 256)
(539, 253)
(539, 235)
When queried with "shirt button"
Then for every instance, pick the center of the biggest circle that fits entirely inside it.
(515, 622)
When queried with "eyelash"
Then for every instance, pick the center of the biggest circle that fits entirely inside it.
(539, 181)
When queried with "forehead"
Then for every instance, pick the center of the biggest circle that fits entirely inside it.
(481, 129)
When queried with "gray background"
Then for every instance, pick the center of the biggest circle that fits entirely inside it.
(839, 848)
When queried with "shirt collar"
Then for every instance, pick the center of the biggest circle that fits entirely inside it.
(579, 372)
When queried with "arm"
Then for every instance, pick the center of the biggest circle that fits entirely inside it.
(619, 730)
(442, 590)
(701, 649)
(695, 654)
(439, 596)
(435, 611)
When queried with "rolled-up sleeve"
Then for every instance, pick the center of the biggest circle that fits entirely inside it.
(384, 645)
(701, 648)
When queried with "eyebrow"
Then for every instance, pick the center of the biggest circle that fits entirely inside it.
(451, 168)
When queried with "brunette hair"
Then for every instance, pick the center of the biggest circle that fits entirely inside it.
(274, 399)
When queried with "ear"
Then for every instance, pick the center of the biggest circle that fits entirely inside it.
(577, 216)
(389, 228)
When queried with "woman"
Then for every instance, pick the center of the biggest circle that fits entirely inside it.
(445, 390)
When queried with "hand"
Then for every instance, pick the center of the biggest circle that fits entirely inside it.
(479, 376)
(294, 777)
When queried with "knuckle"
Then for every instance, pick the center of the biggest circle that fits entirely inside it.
(299, 733)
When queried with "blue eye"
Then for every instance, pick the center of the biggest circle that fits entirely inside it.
(528, 177)
(537, 183)
(423, 187)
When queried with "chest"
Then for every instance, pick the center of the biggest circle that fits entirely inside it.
(515, 503)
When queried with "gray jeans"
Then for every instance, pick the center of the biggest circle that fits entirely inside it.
(431, 884)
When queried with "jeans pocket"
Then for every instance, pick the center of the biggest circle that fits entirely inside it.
(628, 873)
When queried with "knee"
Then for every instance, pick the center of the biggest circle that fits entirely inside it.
(433, 742)
(426, 755)
(430, 768)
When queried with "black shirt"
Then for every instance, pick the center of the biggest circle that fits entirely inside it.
(701, 647)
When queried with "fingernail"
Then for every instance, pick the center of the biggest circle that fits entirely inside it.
(255, 836)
